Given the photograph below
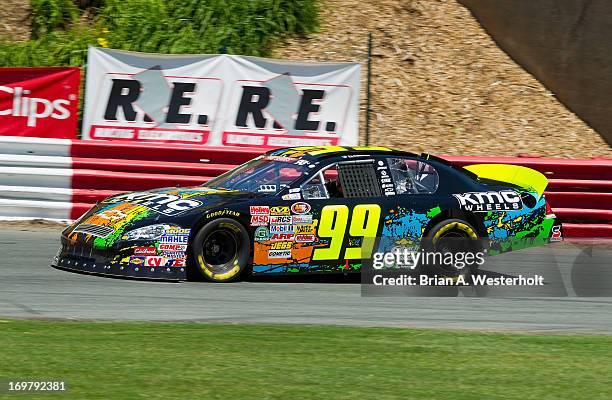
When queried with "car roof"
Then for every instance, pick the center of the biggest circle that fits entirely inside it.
(320, 152)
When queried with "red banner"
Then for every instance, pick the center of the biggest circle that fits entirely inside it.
(39, 102)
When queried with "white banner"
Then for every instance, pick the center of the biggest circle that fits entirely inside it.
(220, 100)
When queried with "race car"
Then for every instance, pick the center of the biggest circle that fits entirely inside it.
(306, 210)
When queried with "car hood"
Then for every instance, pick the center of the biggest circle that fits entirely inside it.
(177, 207)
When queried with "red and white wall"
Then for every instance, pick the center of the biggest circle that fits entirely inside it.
(61, 179)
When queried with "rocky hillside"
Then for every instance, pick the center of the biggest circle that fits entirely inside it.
(441, 84)
(15, 19)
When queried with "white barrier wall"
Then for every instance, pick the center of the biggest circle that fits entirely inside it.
(35, 178)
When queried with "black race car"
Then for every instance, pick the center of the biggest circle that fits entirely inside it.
(305, 210)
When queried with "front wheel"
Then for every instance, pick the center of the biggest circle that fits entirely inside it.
(221, 250)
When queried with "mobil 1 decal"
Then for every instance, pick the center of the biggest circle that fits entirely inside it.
(281, 112)
(349, 232)
(503, 200)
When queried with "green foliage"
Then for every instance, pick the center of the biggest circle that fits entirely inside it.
(58, 48)
(48, 15)
(247, 27)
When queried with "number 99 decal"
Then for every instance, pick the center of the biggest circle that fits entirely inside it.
(364, 223)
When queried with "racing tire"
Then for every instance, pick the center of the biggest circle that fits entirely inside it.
(221, 250)
(451, 236)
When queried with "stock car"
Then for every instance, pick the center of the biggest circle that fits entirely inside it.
(305, 210)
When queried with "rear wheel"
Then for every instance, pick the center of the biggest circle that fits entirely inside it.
(457, 238)
(221, 250)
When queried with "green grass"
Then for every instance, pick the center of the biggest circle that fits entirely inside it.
(248, 27)
(188, 361)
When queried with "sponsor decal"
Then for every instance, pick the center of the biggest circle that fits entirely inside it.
(385, 179)
(164, 262)
(137, 261)
(292, 196)
(174, 254)
(300, 208)
(145, 251)
(267, 188)
(279, 159)
(259, 220)
(281, 228)
(156, 261)
(259, 210)
(171, 238)
(261, 234)
(281, 219)
(175, 262)
(302, 219)
(504, 200)
(299, 229)
(279, 210)
(222, 213)
(282, 236)
(167, 204)
(178, 231)
(279, 253)
(172, 247)
(112, 215)
(281, 245)
(305, 238)
(556, 234)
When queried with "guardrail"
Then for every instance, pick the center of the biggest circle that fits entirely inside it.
(61, 179)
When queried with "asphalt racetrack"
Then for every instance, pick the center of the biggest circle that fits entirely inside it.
(30, 288)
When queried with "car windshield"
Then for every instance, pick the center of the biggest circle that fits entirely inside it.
(265, 174)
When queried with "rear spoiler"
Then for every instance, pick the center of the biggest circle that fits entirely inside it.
(524, 177)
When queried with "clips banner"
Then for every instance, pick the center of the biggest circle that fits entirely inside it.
(220, 100)
(39, 102)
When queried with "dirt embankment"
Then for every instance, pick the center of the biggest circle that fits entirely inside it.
(15, 20)
(442, 85)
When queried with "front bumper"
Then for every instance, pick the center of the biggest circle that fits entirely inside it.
(82, 259)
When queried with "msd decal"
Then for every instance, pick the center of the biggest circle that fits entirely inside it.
(504, 200)
(259, 220)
